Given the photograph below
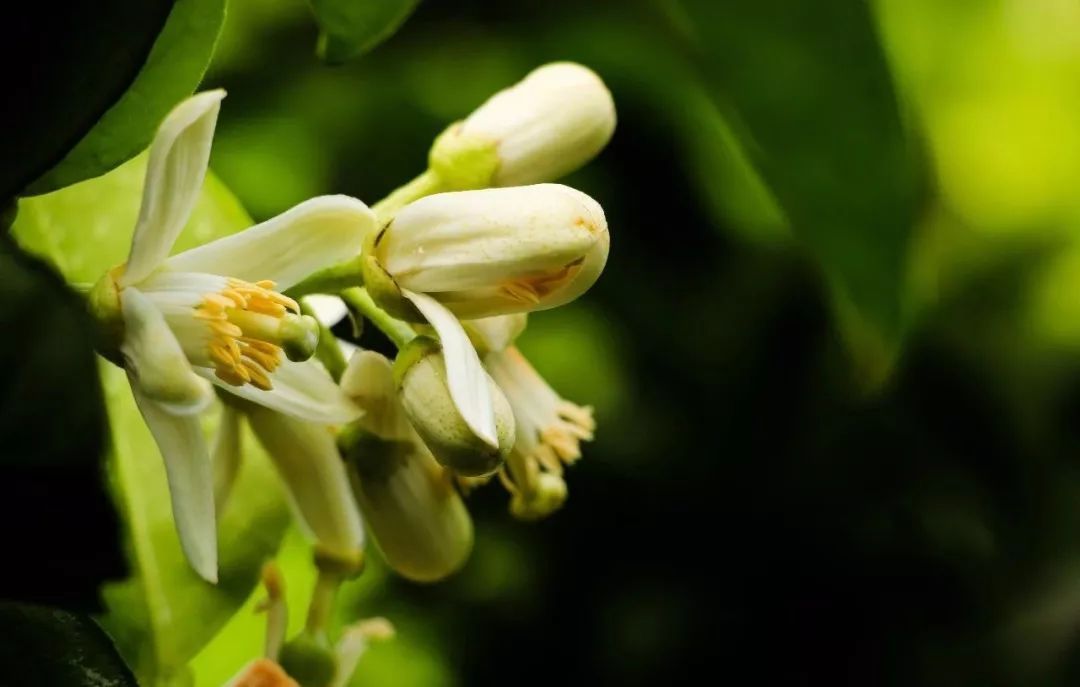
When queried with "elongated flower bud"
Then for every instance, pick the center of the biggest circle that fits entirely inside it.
(547, 125)
(489, 252)
(420, 373)
(410, 506)
(415, 515)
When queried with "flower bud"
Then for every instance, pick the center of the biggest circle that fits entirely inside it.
(415, 515)
(309, 659)
(547, 125)
(420, 374)
(489, 252)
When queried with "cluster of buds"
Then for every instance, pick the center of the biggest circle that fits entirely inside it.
(449, 266)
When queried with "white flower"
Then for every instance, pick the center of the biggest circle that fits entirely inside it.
(550, 430)
(410, 505)
(547, 125)
(490, 252)
(215, 314)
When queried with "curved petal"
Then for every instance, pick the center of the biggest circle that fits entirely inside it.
(301, 390)
(464, 373)
(307, 458)
(226, 455)
(174, 176)
(312, 235)
(328, 309)
(191, 481)
(155, 360)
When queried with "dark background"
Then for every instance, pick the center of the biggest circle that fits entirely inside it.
(749, 510)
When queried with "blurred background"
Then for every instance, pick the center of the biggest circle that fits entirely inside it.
(835, 365)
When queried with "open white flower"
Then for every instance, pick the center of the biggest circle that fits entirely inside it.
(215, 315)
(549, 429)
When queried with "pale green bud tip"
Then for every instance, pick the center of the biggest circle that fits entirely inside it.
(299, 336)
(420, 373)
(463, 161)
(310, 660)
(548, 496)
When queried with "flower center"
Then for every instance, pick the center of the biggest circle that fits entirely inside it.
(251, 328)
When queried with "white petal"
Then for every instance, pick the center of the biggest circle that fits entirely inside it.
(473, 239)
(174, 176)
(301, 390)
(312, 235)
(226, 455)
(369, 380)
(155, 360)
(464, 373)
(328, 309)
(494, 334)
(308, 461)
(191, 481)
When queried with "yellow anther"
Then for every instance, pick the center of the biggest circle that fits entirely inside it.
(258, 377)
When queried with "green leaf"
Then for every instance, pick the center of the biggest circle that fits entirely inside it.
(85, 229)
(351, 28)
(814, 101)
(173, 70)
(47, 647)
(164, 614)
(74, 62)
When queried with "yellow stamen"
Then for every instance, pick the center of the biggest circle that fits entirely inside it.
(251, 328)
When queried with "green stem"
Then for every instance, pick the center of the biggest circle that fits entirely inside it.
(359, 301)
(330, 280)
(328, 352)
(322, 601)
(423, 185)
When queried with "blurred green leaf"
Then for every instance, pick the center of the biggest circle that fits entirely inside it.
(74, 62)
(172, 71)
(50, 400)
(86, 229)
(351, 28)
(164, 614)
(814, 100)
(47, 647)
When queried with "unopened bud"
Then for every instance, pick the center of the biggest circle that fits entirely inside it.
(420, 373)
(547, 125)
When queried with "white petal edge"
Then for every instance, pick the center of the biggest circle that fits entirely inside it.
(310, 236)
(307, 459)
(464, 373)
(179, 156)
(329, 310)
(301, 390)
(225, 455)
(155, 360)
(191, 482)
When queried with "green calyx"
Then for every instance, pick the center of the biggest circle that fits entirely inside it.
(373, 457)
(463, 162)
(104, 304)
(380, 285)
(309, 659)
